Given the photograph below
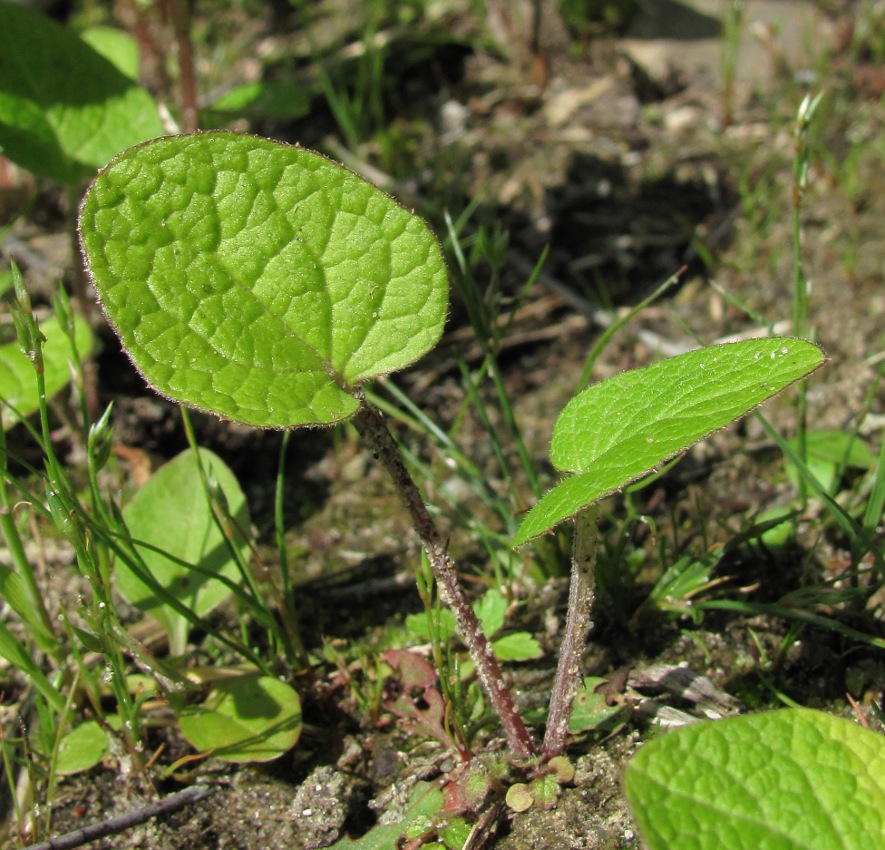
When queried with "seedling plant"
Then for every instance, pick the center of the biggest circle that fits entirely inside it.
(268, 285)
(271, 286)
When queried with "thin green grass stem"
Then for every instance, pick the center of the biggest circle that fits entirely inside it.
(801, 167)
(876, 502)
(787, 612)
(86, 676)
(16, 654)
(444, 659)
(248, 591)
(256, 609)
(220, 514)
(495, 441)
(513, 427)
(105, 624)
(616, 325)
(124, 547)
(58, 731)
(417, 421)
(876, 499)
(732, 29)
(546, 552)
(9, 758)
(289, 608)
(39, 617)
(731, 299)
(855, 532)
(494, 542)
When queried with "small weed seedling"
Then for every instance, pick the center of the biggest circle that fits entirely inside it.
(267, 284)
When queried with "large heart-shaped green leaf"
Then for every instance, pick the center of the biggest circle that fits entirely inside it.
(171, 512)
(64, 109)
(620, 429)
(786, 780)
(258, 280)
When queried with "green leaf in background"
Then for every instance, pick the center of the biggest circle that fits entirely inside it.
(425, 807)
(172, 512)
(13, 594)
(828, 451)
(18, 383)
(81, 749)
(260, 281)
(621, 428)
(118, 47)
(838, 447)
(794, 779)
(517, 646)
(417, 624)
(6, 280)
(65, 110)
(245, 719)
(591, 711)
(264, 99)
(22, 659)
(491, 609)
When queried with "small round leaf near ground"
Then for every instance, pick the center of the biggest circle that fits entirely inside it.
(246, 719)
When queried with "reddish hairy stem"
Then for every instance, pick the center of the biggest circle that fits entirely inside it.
(181, 22)
(577, 625)
(371, 426)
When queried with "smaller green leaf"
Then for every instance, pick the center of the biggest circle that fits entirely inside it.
(418, 625)
(826, 451)
(21, 658)
(246, 719)
(519, 797)
(89, 641)
(118, 47)
(778, 527)
(172, 512)
(264, 99)
(622, 428)
(491, 610)
(546, 791)
(456, 834)
(519, 646)
(837, 447)
(794, 779)
(425, 805)
(590, 710)
(12, 592)
(18, 383)
(81, 749)
(682, 581)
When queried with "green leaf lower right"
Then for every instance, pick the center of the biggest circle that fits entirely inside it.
(794, 779)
